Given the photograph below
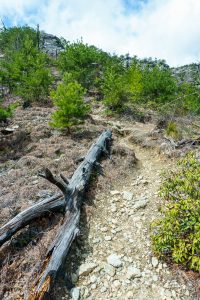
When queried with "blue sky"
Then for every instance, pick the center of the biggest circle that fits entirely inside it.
(166, 29)
(131, 6)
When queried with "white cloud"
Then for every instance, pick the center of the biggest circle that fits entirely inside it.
(171, 31)
(167, 29)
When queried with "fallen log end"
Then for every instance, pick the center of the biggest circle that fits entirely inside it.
(43, 292)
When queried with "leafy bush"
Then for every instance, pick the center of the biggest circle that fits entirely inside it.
(177, 234)
(6, 112)
(120, 84)
(134, 80)
(68, 98)
(150, 83)
(24, 68)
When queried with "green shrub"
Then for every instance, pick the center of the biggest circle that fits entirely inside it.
(177, 234)
(149, 84)
(12, 38)
(6, 112)
(69, 100)
(134, 84)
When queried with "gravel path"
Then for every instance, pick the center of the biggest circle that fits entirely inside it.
(124, 266)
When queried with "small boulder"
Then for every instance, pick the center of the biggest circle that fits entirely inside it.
(133, 272)
(114, 260)
(110, 270)
(154, 262)
(108, 238)
(75, 293)
(129, 295)
(86, 269)
(113, 193)
(93, 278)
(127, 196)
(140, 204)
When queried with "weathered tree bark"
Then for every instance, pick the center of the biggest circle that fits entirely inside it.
(73, 191)
(179, 144)
(25, 217)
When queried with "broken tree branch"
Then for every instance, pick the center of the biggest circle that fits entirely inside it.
(54, 203)
(66, 180)
(53, 179)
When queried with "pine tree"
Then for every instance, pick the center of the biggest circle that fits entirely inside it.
(25, 72)
(69, 100)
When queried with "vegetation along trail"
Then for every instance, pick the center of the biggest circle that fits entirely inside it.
(139, 231)
(112, 258)
(119, 236)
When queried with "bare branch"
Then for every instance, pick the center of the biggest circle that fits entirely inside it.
(66, 180)
(53, 179)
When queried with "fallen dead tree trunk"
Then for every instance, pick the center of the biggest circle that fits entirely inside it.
(73, 191)
(25, 217)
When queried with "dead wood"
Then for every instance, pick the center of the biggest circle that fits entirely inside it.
(73, 191)
(54, 203)
(73, 196)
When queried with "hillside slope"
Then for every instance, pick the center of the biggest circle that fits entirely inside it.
(116, 216)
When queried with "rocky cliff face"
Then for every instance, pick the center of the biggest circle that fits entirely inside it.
(51, 44)
(188, 73)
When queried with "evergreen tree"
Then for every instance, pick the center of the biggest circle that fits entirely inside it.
(114, 89)
(24, 71)
(158, 84)
(12, 39)
(68, 98)
(84, 62)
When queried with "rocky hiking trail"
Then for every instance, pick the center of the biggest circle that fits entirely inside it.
(123, 264)
(112, 257)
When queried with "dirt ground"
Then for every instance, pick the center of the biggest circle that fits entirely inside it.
(110, 223)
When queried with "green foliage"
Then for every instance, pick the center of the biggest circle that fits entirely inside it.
(13, 38)
(190, 98)
(6, 112)
(24, 70)
(119, 80)
(134, 84)
(68, 98)
(121, 85)
(113, 88)
(83, 61)
(138, 83)
(158, 84)
(177, 234)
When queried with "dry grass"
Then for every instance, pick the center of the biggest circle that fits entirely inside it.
(21, 258)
